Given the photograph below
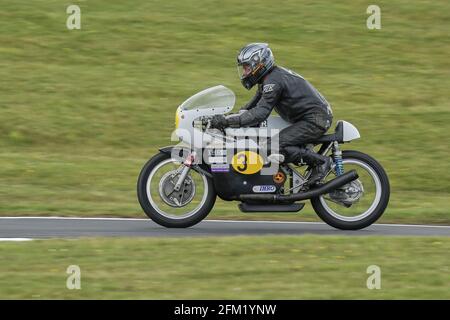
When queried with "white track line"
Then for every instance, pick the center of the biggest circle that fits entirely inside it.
(15, 239)
(322, 223)
(231, 221)
(76, 218)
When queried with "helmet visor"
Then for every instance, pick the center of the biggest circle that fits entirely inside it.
(244, 70)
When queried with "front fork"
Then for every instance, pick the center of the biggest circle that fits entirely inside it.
(187, 164)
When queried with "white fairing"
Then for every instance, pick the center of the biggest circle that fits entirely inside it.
(349, 131)
(221, 100)
(211, 101)
(270, 127)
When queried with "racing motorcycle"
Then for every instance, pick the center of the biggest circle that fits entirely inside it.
(178, 186)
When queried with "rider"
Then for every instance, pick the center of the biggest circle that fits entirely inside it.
(295, 100)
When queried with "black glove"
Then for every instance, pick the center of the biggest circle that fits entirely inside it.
(219, 122)
(233, 120)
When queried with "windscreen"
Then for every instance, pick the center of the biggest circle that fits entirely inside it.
(215, 97)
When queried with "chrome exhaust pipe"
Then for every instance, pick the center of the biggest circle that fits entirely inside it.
(326, 188)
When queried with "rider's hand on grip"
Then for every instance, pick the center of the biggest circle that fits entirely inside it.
(218, 122)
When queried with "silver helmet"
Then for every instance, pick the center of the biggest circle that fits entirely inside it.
(254, 61)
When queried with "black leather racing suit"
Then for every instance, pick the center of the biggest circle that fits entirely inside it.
(296, 101)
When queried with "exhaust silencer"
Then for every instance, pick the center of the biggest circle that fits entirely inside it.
(326, 188)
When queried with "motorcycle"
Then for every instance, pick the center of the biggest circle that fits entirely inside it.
(178, 187)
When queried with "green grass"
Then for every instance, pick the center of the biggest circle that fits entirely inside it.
(290, 267)
(82, 110)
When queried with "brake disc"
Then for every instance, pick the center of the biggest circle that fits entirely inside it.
(348, 194)
(172, 197)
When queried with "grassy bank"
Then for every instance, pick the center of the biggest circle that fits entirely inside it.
(302, 267)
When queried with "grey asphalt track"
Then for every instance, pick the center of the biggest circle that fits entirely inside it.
(42, 228)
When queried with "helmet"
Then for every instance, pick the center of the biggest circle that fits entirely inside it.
(254, 61)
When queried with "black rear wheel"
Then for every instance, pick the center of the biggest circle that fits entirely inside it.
(361, 202)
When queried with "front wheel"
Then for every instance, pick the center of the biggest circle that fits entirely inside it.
(167, 207)
(359, 203)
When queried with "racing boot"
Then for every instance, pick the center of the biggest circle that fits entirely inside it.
(293, 154)
(321, 166)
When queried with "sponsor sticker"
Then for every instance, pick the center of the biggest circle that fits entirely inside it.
(220, 167)
(217, 152)
(217, 160)
(264, 188)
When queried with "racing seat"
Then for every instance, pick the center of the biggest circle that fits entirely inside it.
(338, 135)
